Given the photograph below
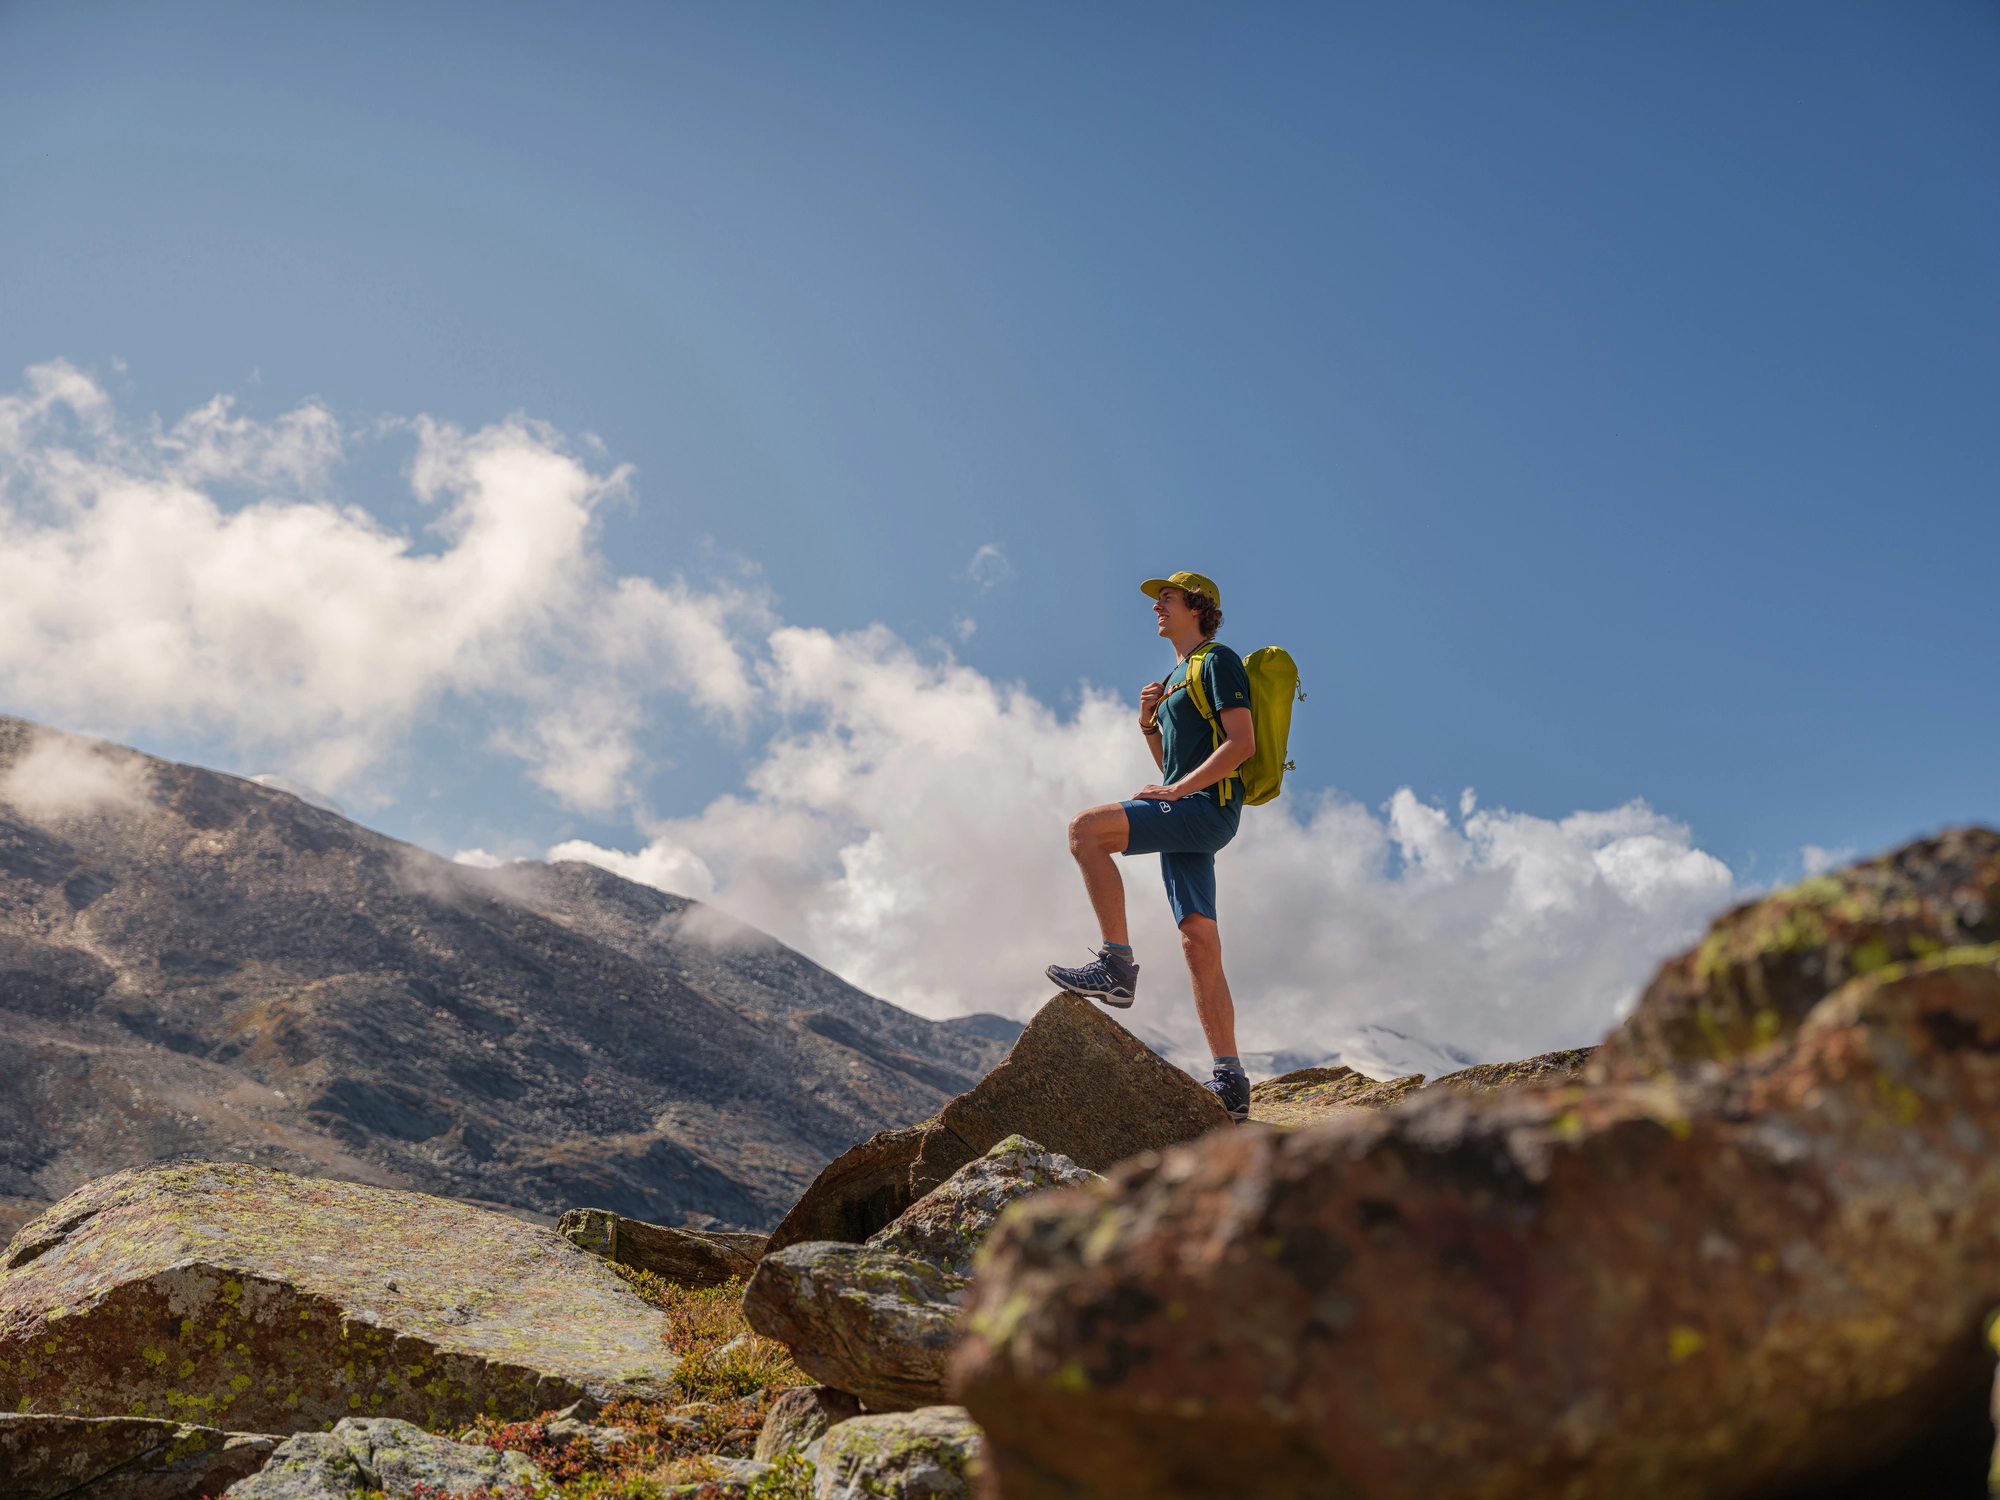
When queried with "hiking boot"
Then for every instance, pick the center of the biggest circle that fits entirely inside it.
(1107, 978)
(1233, 1089)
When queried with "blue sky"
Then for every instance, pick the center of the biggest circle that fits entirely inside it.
(1598, 401)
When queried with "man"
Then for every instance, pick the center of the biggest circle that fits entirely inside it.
(1184, 818)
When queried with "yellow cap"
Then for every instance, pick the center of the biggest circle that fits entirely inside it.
(1187, 581)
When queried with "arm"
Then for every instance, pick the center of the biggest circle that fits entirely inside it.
(1239, 743)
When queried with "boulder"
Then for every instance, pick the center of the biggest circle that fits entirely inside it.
(800, 1416)
(223, 1292)
(928, 1454)
(866, 1186)
(1747, 1276)
(381, 1453)
(1764, 966)
(878, 1320)
(43, 1457)
(685, 1257)
(859, 1319)
(1083, 1085)
(1076, 1081)
(947, 1224)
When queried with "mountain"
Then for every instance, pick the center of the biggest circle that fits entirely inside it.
(192, 963)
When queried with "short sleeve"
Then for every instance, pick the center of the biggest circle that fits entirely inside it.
(1228, 680)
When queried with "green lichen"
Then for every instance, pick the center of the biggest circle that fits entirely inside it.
(240, 1259)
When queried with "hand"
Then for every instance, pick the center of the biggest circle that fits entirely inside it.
(1149, 702)
(1157, 793)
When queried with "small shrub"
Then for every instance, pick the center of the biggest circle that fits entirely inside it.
(721, 1359)
(726, 1378)
(791, 1478)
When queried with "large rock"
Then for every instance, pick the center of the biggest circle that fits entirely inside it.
(381, 1453)
(800, 1417)
(868, 1321)
(686, 1257)
(231, 1294)
(1076, 1081)
(1083, 1085)
(929, 1454)
(1764, 966)
(950, 1222)
(44, 1457)
(878, 1320)
(1744, 1277)
(868, 1185)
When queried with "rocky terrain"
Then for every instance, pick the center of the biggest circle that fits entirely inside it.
(197, 965)
(287, 1338)
(1748, 1248)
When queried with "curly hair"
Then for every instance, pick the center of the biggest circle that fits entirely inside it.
(1205, 609)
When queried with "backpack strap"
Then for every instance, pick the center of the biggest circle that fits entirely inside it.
(1198, 691)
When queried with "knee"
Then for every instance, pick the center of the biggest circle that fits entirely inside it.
(1200, 938)
(1091, 832)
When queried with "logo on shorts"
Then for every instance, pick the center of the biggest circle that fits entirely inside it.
(1166, 807)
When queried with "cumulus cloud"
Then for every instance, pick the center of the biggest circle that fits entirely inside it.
(908, 832)
(904, 821)
(131, 597)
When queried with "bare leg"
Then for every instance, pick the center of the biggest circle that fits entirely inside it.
(1201, 941)
(1096, 838)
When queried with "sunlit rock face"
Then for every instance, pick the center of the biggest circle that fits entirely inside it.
(255, 1300)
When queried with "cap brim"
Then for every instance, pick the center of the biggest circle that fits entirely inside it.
(1152, 586)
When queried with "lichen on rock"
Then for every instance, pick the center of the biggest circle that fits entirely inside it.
(928, 1454)
(380, 1453)
(1750, 1273)
(232, 1295)
(950, 1222)
(860, 1319)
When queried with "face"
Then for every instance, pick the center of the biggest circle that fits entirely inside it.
(1171, 610)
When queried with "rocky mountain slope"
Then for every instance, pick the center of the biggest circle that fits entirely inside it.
(195, 964)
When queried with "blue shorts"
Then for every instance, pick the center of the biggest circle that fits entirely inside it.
(1185, 834)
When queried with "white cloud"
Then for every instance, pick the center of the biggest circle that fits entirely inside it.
(908, 832)
(989, 566)
(311, 796)
(905, 822)
(63, 776)
(1817, 861)
(131, 598)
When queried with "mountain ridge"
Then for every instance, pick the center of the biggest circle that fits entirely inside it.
(194, 963)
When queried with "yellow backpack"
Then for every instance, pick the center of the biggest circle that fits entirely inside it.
(1274, 687)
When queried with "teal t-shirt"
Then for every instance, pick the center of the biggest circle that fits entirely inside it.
(1185, 738)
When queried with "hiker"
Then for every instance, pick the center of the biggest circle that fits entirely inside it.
(1185, 817)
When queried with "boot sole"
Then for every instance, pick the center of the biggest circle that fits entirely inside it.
(1116, 1002)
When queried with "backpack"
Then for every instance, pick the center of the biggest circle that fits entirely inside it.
(1274, 686)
